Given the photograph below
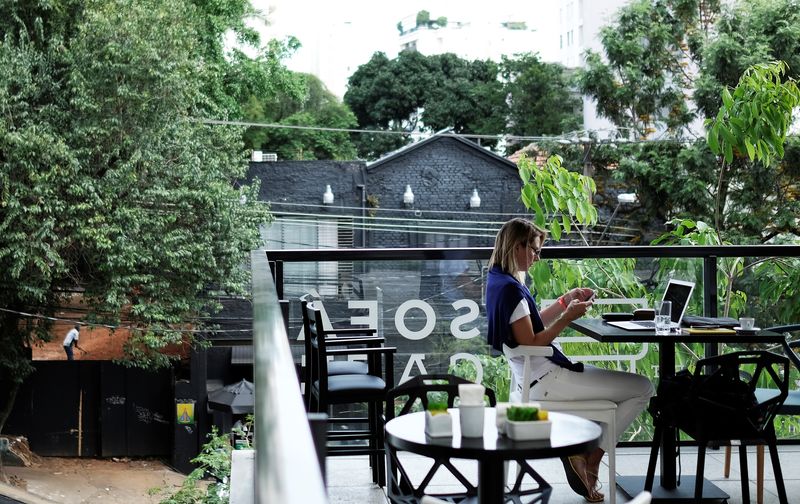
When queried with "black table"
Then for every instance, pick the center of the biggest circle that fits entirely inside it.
(570, 435)
(665, 486)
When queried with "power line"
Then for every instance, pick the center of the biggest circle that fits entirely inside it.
(505, 215)
(451, 224)
(566, 137)
(394, 228)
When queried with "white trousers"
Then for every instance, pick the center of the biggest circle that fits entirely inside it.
(630, 391)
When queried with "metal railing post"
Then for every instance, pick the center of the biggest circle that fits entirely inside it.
(710, 298)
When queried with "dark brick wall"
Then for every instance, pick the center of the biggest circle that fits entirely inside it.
(305, 181)
(442, 172)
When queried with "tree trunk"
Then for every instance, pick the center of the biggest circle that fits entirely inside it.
(8, 400)
(15, 363)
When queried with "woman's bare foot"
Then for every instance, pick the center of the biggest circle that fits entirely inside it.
(593, 460)
(579, 479)
(594, 485)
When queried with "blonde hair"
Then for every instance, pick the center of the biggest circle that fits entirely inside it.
(514, 232)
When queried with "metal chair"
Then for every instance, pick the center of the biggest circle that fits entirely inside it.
(718, 405)
(358, 337)
(370, 389)
(597, 410)
(415, 394)
(790, 406)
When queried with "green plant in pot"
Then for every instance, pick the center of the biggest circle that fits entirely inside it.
(525, 414)
(437, 407)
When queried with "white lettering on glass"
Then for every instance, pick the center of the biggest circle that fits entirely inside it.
(414, 359)
(470, 316)
(473, 359)
(400, 323)
(370, 319)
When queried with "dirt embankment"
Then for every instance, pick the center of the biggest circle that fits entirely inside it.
(111, 481)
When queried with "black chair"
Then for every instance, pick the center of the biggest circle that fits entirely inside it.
(357, 337)
(415, 395)
(369, 389)
(717, 404)
(790, 406)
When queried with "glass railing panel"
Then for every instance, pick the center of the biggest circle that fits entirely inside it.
(433, 310)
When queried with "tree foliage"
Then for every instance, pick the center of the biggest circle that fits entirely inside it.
(697, 48)
(557, 194)
(314, 106)
(109, 185)
(652, 51)
(413, 92)
(540, 100)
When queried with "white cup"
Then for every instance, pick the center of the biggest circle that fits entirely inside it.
(471, 418)
(747, 323)
(471, 394)
(663, 317)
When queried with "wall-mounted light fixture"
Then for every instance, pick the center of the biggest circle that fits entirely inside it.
(408, 196)
(475, 199)
(327, 196)
(622, 199)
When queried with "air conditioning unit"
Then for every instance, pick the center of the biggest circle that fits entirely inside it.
(263, 157)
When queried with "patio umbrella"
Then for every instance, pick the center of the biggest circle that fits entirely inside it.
(237, 398)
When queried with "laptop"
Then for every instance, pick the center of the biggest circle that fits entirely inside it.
(679, 292)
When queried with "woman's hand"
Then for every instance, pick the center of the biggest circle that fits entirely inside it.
(576, 309)
(576, 302)
(578, 294)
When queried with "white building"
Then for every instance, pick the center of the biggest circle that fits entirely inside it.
(470, 39)
(579, 23)
(340, 36)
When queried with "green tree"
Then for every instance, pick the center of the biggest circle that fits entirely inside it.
(540, 100)
(753, 121)
(316, 107)
(423, 18)
(638, 89)
(428, 93)
(520, 96)
(109, 184)
(752, 33)
(651, 51)
(466, 95)
(384, 95)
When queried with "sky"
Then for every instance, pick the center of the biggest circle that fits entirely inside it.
(339, 35)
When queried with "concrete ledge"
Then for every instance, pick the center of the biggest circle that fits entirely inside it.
(242, 477)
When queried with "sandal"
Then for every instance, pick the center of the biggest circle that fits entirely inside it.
(578, 478)
(594, 494)
(575, 469)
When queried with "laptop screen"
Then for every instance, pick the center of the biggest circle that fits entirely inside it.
(679, 293)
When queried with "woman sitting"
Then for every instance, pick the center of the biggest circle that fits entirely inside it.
(514, 319)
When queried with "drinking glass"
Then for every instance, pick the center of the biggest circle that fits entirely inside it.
(663, 318)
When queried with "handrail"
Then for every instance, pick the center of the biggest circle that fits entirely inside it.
(707, 253)
(287, 468)
(552, 252)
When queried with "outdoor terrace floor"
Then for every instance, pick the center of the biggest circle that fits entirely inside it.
(349, 479)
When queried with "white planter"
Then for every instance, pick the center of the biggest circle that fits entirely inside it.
(502, 407)
(439, 425)
(522, 431)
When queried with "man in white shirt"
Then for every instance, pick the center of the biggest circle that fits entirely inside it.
(72, 339)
